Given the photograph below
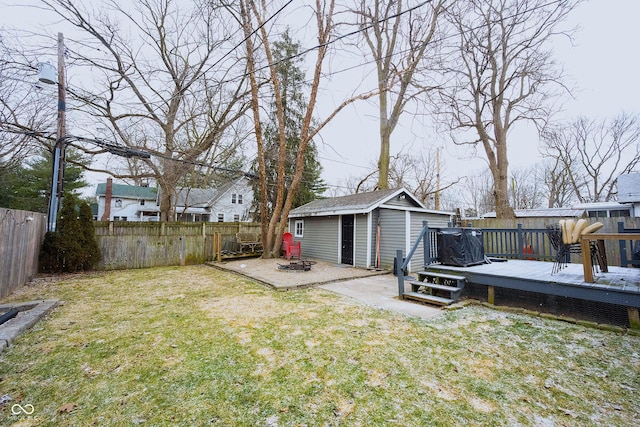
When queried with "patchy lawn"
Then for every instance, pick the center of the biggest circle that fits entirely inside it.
(196, 346)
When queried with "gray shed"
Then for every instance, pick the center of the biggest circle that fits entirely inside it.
(365, 229)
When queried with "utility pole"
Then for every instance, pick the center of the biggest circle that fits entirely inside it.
(437, 195)
(59, 148)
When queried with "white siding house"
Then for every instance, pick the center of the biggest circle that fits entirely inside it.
(230, 202)
(119, 202)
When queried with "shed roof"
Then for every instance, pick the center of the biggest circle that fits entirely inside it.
(127, 191)
(356, 203)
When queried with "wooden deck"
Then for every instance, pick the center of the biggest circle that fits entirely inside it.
(619, 286)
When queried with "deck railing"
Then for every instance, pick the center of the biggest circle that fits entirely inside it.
(518, 243)
(628, 248)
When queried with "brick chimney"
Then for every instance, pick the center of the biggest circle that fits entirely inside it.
(107, 200)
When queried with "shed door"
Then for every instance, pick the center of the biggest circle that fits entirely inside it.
(347, 240)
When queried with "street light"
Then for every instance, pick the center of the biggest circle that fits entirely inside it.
(45, 75)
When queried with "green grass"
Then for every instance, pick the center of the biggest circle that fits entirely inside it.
(195, 346)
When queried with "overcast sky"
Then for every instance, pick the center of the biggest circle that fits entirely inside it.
(603, 63)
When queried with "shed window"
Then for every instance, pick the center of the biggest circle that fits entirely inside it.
(298, 229)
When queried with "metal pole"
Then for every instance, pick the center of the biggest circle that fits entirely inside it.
(59, 148)
(437, 196)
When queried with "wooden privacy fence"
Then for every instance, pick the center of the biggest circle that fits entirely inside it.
(153, 244)
(21, 237)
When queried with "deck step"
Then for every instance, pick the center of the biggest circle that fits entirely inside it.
(431, 299)
(416, 283)
(440, 275)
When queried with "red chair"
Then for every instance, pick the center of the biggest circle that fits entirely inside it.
(291, 248)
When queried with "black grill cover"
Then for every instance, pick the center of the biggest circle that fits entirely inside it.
(460, 246)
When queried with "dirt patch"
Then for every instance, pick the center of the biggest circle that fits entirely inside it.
(267, 272)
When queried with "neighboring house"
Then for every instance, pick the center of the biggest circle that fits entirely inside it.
(629, 192)
(363, 228)
(583, 210)
(119, 202)
(628, 204)
(230, 202)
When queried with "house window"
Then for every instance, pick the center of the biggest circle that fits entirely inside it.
(233, 198)
(298, 229)
(124, 218)
(118, 203)
(221, 217)
(236, 218)
(619, 212)
(116, 218)
(142, 202)
(239, 199)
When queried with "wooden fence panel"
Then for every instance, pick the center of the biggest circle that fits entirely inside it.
(21, 237)
(140, 245)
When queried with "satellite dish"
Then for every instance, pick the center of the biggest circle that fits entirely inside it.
(47, 73)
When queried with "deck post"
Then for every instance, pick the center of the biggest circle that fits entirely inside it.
(520, 242)
(634, 318)
(426, 244)
(491, 295)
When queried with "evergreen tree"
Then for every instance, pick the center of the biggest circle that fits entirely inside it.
(73, 246)
(292, 84)
(68, 226)
(88, 244)
(28, 186)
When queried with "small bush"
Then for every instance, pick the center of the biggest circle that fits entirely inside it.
(72, 247)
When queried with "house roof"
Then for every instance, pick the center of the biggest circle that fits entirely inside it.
(629, 187)
(356, 203)
(128, 191)
(543, 213)
(194, 197)
(205, 197)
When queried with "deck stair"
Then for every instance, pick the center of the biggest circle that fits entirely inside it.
(436, 288)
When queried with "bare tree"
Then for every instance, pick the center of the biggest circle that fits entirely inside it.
(253, 16)
(477, 194)
(558, 184)
(500, 72)
(527, 188)
(399, 38)
(418, 173)
(168, 86)
(25, 111)
(592, 153)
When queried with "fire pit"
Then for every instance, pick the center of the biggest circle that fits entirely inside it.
(302, 265)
